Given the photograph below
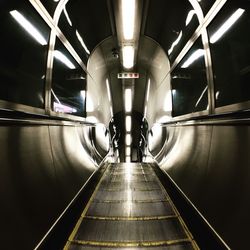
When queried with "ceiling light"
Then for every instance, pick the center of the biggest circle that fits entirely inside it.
(29, 27)
(190, 15)
(128, 123)
(175, 43)
(128, 54)
(226, 25)
(128, 151)
(108, 90)
(67, 16)
(128, 139)
(82, 42)
(194, 56)
(128, 18)
(148, 88)
(128, 100)
(62, 58)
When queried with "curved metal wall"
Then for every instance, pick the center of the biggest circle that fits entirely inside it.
(210, 163)
(42, 169)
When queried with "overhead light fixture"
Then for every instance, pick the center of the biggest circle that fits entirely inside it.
(29, 27)
(145, 111)
(175, 43)
(128, 19)
(128, 151)
(128, 139)
(67, 16)
(128, 54)
(128, 100)
(148, 88)
(108, 90)
(62, 58)
(82, 42)
(128, 123)
(194, 56)
(190, 15)
(226, 25)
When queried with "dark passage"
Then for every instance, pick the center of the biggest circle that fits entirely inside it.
(130, 209)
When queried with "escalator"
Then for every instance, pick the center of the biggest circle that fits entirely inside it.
(130, 209)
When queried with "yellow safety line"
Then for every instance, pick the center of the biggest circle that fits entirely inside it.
(144, 218)
(132, 201)
(72, 235)
(125, 189)
(183, 224)
(131, 244)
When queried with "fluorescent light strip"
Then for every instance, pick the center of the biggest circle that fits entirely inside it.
(82, 42)
(128, 139)
(128, 19)
(148, 88)
(128, 54)
(62, 58)
(108, 90)
(194, 56)
(29, 27)
(128, 123)
(128, 151)
(175, 43)
(67, 16)
(226, 25)
(190, 15)
(128, 100)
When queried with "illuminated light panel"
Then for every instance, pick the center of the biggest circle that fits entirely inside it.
(62, 58)
(175, 43)
(128, 123)
(128, 19)
(226, 25)
(128, 100)
(128, 151)
(67, 16)
(82, 42)
(128, 139)
(108, 90)
(149, 82)
(194, 56)
(128, 54)
(29, 27)
(190, 15)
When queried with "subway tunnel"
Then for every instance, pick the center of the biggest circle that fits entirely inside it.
(124, 124)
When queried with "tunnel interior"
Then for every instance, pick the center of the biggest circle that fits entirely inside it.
(98, 93)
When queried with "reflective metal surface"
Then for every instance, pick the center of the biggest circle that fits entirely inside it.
(130, 208)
